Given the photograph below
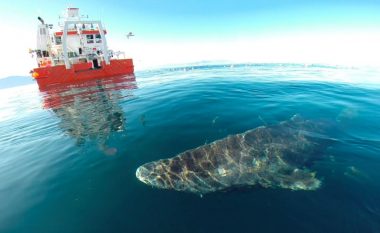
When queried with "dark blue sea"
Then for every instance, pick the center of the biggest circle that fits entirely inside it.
(69, 153)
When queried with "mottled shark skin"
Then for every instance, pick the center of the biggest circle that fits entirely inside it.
(269, 156)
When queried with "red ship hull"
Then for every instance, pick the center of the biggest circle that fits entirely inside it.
(81, 72)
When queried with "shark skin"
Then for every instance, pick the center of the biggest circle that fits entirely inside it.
(269, 156)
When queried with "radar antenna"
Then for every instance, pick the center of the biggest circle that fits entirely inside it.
(130, 34)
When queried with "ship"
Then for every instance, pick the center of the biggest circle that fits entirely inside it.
(76, 51)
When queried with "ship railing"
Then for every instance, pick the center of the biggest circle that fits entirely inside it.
(117, 54)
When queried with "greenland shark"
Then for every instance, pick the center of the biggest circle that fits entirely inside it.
(269, 156)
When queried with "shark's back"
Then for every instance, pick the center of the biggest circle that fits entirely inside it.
(272, 156)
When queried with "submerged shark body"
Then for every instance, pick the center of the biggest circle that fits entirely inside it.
(269, 156)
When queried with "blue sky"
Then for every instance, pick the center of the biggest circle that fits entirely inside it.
(166, 26)
(171, 19)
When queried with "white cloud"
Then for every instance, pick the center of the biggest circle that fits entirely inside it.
(16, 41)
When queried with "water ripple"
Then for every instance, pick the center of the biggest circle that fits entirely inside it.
(68, 153)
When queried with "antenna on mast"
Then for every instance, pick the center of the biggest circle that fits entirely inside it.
(130, 34)
(41, 20)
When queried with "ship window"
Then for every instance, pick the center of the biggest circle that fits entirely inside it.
(90, 39)
(58, 40)
(72, 54)
(98, 38)
(42, 31)
(39, 54)
(45, 53)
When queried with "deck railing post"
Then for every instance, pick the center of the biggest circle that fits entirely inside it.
(64, 45)
(103, 38)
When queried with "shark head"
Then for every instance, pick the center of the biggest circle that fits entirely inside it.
(176, 173)
(158, 175)
(149, 174)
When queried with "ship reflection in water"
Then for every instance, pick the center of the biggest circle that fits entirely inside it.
(90, 111)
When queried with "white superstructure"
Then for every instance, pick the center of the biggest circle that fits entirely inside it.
(76, 41)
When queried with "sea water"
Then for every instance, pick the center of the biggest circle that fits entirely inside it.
(68, 153)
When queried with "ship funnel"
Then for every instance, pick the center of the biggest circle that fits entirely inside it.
(41, 20)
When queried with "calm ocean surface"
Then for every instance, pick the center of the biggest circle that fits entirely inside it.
(68, 154)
